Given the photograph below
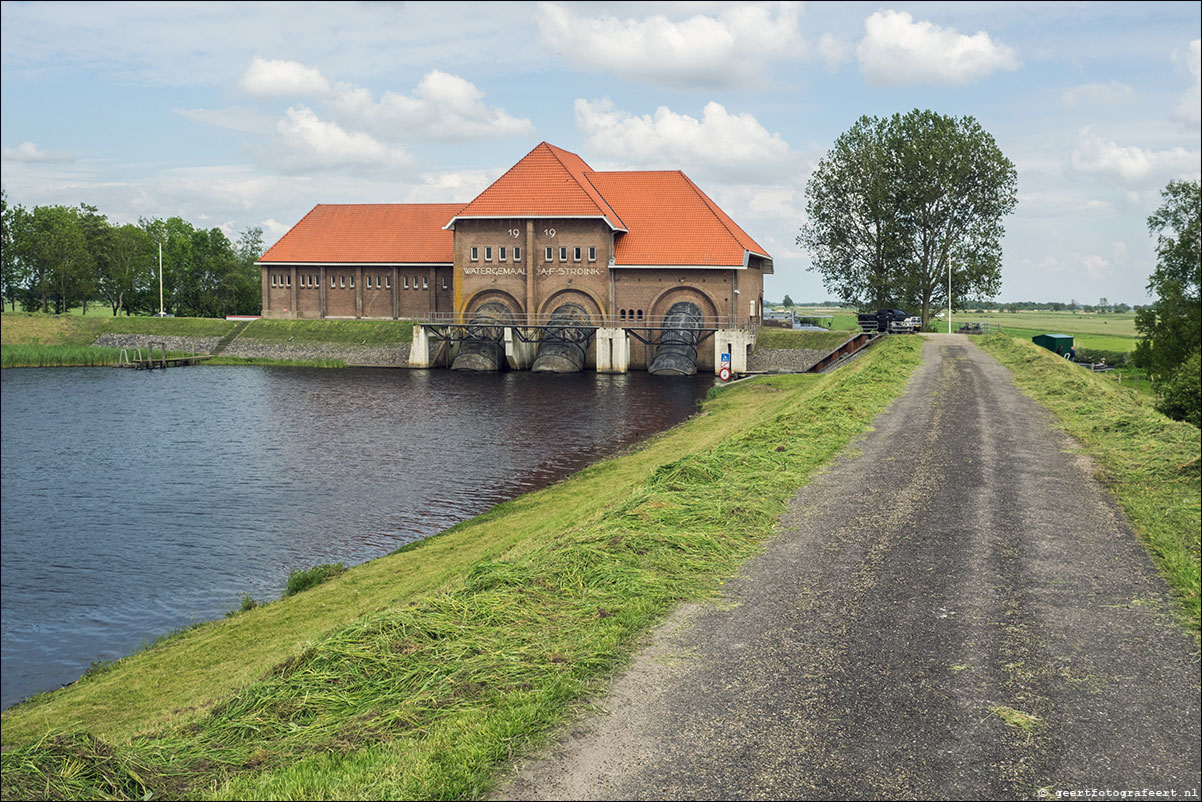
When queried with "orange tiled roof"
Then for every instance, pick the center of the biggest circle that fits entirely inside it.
(547, 182)
(670, 221)
(406, 233)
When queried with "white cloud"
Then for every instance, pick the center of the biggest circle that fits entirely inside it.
(898, 51)
(1189, 110)
(279, 78)
(720, 144)
(452, 186)
(833, 51)
(30, 153)
(1132, 164)
(443, 107)
(730, 49)
(233, 118)
(305, 142)
(1111, 94)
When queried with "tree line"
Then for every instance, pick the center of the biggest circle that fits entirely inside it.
(57, 258)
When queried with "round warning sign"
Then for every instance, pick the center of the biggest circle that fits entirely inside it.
(724, 374)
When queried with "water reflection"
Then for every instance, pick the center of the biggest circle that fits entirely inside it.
(135, 503)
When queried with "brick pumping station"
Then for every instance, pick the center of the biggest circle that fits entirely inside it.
(554, 267)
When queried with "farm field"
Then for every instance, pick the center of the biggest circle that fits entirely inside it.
(1098, 332)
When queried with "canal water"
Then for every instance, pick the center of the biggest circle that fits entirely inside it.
(137, 502)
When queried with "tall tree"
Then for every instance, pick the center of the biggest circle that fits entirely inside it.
(1172, 325)
(854, 231)
(51, 244)
(15, 274)
(900, 204)
(127, 266)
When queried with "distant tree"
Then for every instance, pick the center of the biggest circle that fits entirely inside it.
(1172, 325)
(900, 203)
(50, 242)
(127, 266)
(14, 275)
(1103, 305)
(787, 303)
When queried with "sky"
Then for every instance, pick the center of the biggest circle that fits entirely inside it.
(249, 114)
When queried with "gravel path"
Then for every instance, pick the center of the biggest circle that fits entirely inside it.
(955, 610)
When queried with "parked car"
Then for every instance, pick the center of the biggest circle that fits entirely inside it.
(889, 320)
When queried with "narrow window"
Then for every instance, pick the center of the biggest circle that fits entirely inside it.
(425, 283)
(331, 282)
(352, 281)
(475, 254)
(550, 253)
(313, 281)
(273, 279)
(621, 314)
(576, 254)
(444, 282)
(342, 282)
(406, 282)
(640, 314)
(517, 254)
(501, 254)
(388, 281)
(369, 281)
(563, 254)
(592, 254)
(488, 253)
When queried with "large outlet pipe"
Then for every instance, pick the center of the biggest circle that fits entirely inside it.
(676, 354)
(564, 343)
(483, 347)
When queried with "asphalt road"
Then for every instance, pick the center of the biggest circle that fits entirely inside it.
(954, 610)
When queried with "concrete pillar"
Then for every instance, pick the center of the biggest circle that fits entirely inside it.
(613, 350)
(518, 353)
(737, 343)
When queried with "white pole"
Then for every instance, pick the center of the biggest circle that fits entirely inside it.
(949, 296)
(160, 281)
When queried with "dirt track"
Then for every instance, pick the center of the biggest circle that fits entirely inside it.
(961, 572)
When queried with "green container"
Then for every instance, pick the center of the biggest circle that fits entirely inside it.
(1057, 343)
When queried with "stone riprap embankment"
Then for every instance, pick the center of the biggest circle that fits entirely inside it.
(191, 345)
(784, 360)
(384, 356)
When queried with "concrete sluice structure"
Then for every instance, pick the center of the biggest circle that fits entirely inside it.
(676, 352)
(563, 347)
(483, 347)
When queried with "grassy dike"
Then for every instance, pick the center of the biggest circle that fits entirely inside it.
(419, 674)
(38, 340)
(1149, 463)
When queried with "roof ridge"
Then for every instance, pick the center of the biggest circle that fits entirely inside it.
(721, 216)
(601, 195)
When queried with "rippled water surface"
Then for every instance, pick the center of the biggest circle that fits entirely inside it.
(138, 502)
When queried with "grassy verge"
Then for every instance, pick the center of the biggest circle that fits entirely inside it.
(22, 328)
(770, 337)
(46, 356)
(346, 332)
(1150, 463)
(417, 675)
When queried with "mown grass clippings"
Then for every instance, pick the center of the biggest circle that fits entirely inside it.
(425, 694)
(1149, 462)
(1026, 722)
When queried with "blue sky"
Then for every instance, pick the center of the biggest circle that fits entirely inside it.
(238, 115)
